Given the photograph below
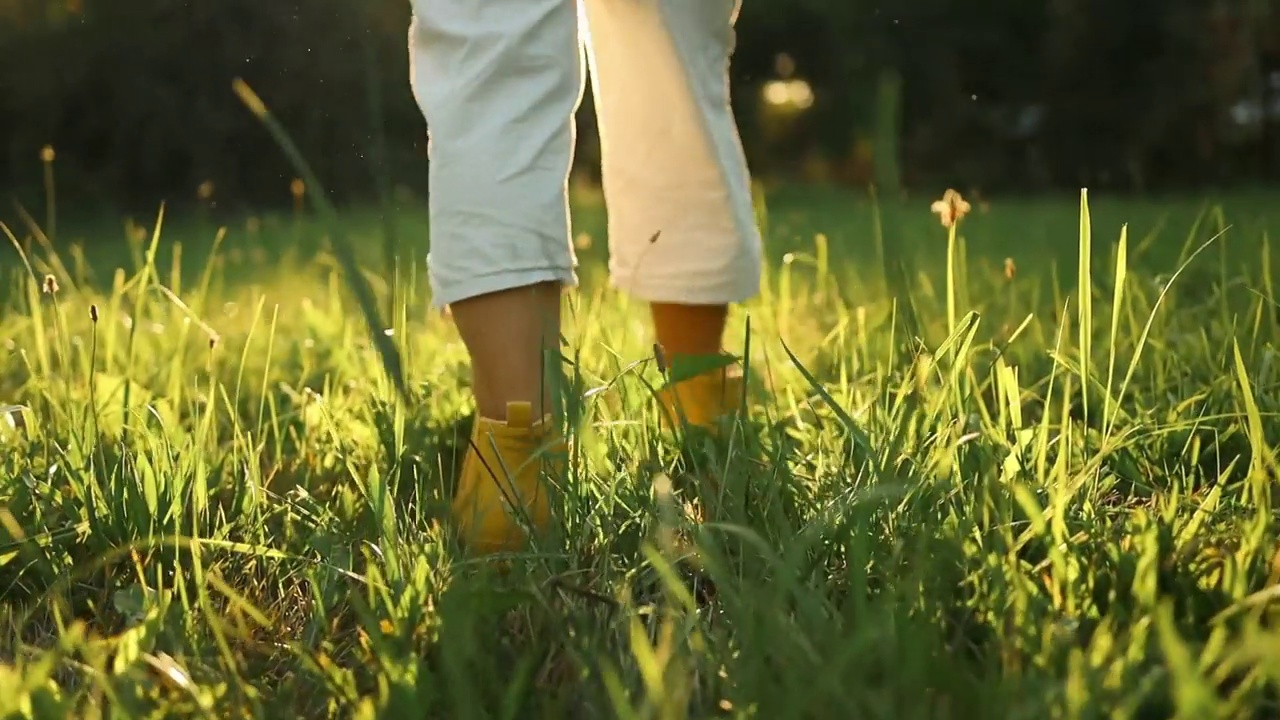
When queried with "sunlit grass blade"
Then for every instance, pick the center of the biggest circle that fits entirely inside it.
(1084, 300)
(1117, 309)
(850, 425)
(387, 350)
(146, 275)
(1262, 463)
(952, 271)
(1151, 317)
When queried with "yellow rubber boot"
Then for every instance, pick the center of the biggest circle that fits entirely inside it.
(702, 400)
(502, 480)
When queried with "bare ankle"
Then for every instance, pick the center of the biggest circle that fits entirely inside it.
(689, 329)
(510, 335)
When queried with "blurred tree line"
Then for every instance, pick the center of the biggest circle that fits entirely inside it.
(135, 95)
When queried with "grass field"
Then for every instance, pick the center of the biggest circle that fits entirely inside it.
(973, 484)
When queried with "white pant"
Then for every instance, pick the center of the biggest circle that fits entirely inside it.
(499, 83)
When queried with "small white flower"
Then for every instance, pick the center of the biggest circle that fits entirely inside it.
(951, 209)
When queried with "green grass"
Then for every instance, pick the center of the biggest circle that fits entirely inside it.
(915, 523)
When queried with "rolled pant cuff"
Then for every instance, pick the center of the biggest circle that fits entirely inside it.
(727, 292)
(447, 293)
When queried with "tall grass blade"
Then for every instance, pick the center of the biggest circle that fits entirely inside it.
(1084, 300)
(1117, 310)
(386, 347)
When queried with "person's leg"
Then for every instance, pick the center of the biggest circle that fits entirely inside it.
(689, 331)
(498, 83)
(510, 335)
(674, 169)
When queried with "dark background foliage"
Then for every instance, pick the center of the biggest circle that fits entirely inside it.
(1002, 95)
